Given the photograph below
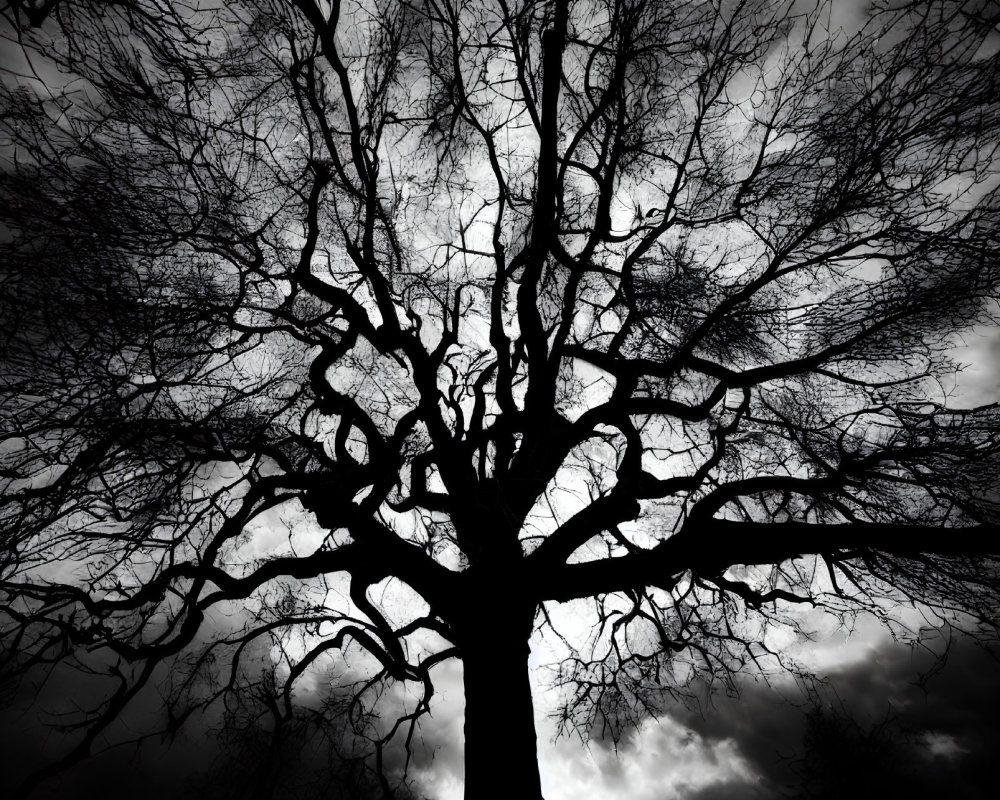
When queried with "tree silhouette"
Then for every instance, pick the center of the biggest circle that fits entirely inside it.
(365, 336)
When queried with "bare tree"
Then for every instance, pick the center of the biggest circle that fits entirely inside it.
(366, 335)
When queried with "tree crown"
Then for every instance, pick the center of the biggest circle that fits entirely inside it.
(483, 307)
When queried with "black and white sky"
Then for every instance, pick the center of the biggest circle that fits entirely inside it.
(928, 727)
(887, 715)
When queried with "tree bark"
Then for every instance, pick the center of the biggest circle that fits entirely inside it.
(501, 758)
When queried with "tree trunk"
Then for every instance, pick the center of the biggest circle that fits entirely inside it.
(501, 758)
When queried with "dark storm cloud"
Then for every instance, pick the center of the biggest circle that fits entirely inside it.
(937, 739)
(875, 727)
(203, 760)
(30, 740)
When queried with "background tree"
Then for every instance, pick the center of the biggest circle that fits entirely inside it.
(367, 335)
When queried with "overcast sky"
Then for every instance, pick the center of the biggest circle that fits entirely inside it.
(938, 739)
(941, 737)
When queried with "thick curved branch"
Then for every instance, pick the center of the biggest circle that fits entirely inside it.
(713, 546)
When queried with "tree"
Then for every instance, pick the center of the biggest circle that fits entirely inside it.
(368, 335)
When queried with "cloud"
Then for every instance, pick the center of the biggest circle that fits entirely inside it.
(203, 759)
(437, 767)
(663, 760)
(939, 738)
(878, 726)
(938, 735)
(979, 383)
(152, 771)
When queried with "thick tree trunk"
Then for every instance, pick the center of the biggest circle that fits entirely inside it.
(501, 758)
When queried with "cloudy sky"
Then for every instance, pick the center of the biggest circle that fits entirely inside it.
(874, 724)
(937, 737)
(879, 724)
